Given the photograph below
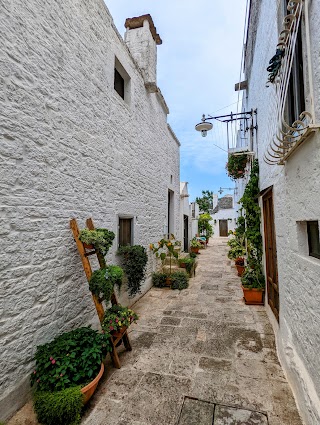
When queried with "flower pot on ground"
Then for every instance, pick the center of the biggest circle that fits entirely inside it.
(63, 367)
(239, 263)
(159, 280)
(89, 389)
(253, 284)
(187, 263)
(195, 245)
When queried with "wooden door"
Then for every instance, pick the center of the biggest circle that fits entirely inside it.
(223, 227)
(271, 253)
(125, 231)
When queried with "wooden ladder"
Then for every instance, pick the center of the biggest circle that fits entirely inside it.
(84, 254)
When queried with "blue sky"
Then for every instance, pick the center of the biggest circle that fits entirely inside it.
(198, 65)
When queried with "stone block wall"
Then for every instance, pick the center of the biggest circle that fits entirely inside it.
(296, 188)
(70, 147)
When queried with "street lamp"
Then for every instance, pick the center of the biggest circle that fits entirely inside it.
(226, 188)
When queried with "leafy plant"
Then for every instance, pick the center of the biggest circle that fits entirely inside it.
(159, 280)
(206, 201)
(59, 407)
(193, 255)
(236, 166)
(250, 205)
(253, 278)
(71, 359)
(102, 282)
(179, 280)
(194, 243)
(166, 248)
(101, 239)
(117, 317)
(189, 262)
(204, 226)
(134, 263)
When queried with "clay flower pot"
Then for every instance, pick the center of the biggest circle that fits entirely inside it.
(240, 270)
(182, 265)
(119, 332)
(88, 246)
(89, 389)
(195, 250)
(253, 296)
(168, 281)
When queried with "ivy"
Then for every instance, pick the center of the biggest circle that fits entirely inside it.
(135, 261)
(252, 213)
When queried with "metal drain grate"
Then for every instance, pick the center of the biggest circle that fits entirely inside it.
(199, 412)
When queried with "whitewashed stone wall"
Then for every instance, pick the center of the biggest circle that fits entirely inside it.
(296, 188)
(70, 147)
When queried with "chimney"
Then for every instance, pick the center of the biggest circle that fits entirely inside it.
(214, 201)
(142, 39)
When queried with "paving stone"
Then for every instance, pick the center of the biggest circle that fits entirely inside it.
(232, 416)
(195, 412)
(172, 321)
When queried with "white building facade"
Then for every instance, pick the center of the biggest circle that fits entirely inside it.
(224, 215)
(287, 145)
(84, 133)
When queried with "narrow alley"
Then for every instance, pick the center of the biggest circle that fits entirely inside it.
(197, 354)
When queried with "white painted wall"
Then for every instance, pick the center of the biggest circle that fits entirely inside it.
(296, 188)
(70, 147)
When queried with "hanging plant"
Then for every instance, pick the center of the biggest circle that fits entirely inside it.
(134, 261)
(101, 239)
(236, 166)
(102, 282)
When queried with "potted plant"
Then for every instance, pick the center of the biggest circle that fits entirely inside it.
(253, 284)
(66, 374)
(159, 280)
(195, 245)
(204, 226)
(179, 280)
(134, 261)
(166, 249)
(239, 262)
(117, 319)
(187, 263)
(99, 239)
(236, 166)
(102, 282)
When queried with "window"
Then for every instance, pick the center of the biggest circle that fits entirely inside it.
(118, 84)
(313, 238)
(125, 231)
(122, 82)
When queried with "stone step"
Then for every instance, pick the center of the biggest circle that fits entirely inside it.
(174, 269)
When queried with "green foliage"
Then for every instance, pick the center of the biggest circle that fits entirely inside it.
(73, 358)
(193, 255)
(102, 282)
(241, 226)
(237, 248)
(189, 262)
(118, 316)
(159, 280)
(59, 407)
(250, 205)
(194, 243)
(101, 239)
(179, 280)
(253, 278)
(236, 166)
(166, 248)
(206, 201)
(134, 263)
(204, 227)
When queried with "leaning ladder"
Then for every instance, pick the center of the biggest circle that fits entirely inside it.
(85, 253)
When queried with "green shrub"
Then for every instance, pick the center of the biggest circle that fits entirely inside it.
(71, 359)
(59, 407)
(179, 280)
(102, 282)
(159, 280)
(189, 262)
(253, 278)
(134, 263)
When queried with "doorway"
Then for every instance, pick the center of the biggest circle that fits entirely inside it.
(223, 227)
(185, 233)
(271, 253)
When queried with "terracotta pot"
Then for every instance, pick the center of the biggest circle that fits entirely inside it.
(119, 333)
(182, 265)
(88, 246)
(196, 250)
(253, 296)
(168, 281)
(89, 389)
(240, 270)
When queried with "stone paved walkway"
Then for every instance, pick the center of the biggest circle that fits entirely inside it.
(198, 354)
